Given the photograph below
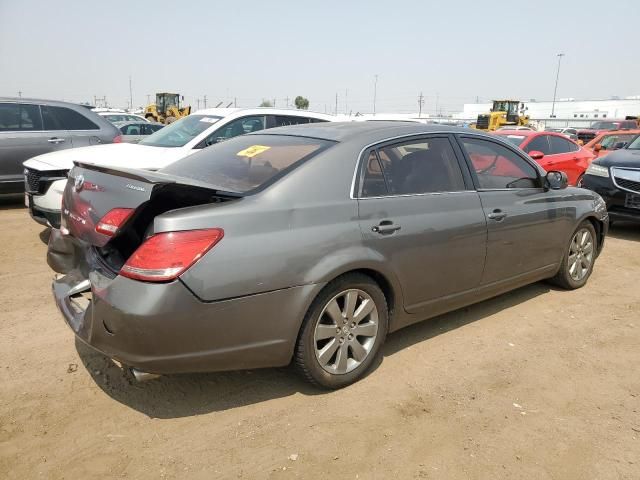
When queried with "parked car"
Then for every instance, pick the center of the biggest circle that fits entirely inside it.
(114, 117)
(173, 142)
(309, 243)
(616, 177)
(30, 127)
(596, 128)
(553, 151)
(609, 141)
(568, 132)
(133, 132)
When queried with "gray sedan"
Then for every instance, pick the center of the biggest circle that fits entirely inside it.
(308, 244)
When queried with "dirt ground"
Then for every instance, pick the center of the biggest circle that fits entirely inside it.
(536, 384)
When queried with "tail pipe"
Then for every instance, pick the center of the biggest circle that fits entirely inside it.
(141, 376)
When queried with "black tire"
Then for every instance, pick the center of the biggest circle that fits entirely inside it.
(307, 361)
(564, 278)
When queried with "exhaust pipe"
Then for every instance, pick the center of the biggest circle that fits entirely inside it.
(141, 376)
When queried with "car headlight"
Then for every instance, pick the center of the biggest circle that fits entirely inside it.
(597, 170)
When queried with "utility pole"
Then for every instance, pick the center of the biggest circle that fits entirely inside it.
(130, 94)
(19, 93)
(205, 101)
(336, 111)
(198, 103)
(437, 102)
(235, 102)
(148, 99)
(287, 100)
(346, 105)
(375, 92)
(420, 104)
(274, 103)
(553, 105)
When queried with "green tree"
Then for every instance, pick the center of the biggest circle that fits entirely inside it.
(301, 103)
(266, 103)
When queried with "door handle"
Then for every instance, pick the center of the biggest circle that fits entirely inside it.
(497, 215)
(385, 227)
(56, 140)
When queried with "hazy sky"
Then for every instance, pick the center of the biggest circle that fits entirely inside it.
(452, 51)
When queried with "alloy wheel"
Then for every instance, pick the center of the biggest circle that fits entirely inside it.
(580, 254)
(346, 331)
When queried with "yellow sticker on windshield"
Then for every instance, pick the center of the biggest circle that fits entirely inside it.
(252, 151)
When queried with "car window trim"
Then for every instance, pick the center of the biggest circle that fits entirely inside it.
(504, 143)
(375, 146)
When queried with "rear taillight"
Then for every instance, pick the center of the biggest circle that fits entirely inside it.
(113, 221)
(117, 139)
(166, 255)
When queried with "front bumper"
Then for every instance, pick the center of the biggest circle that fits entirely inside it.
(164, 328)
(45, 207)
(617, 200)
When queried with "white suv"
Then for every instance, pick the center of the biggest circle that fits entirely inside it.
(171, 143)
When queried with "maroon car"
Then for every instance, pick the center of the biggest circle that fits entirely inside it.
(602, 126)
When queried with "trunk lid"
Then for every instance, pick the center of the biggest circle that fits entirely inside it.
(92, 191)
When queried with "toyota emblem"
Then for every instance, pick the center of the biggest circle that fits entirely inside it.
(78, 183)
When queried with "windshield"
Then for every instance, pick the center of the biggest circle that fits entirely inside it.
(515, 139)
(249, 162)
(635, 144)
(180, 132)
(604, 126)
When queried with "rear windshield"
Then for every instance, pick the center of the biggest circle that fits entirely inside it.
(515, 139)
(248, 163)
(180, 132)
(604, 125)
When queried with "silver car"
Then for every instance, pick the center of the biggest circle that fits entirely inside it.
(308, 244)
(30, 127)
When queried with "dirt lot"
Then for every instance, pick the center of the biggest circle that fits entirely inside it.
(537, 384)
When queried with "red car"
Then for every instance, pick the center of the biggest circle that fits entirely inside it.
(553, 151)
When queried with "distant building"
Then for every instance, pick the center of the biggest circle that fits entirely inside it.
(567, 109)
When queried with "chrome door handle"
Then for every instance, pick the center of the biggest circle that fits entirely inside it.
(497, 215)
(385, 227)
(56, 140)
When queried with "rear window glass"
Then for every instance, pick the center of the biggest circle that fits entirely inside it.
(248, 163)
(180, 132)
(514, 139)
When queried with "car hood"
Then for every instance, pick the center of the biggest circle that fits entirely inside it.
(113, 155)
(620, 158)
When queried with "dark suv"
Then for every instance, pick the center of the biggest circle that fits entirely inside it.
(31, 127)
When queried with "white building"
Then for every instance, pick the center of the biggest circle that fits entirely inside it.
(578, 111)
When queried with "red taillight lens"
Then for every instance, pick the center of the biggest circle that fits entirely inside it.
(117, 139)
(113, 220)
(166, 255)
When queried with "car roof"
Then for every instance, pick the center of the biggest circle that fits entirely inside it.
(225, 112)
(40, 100)
(364, 131)
(136, 122)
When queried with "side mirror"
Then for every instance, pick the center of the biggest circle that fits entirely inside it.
(619, 145)
(597, 147)
(536, 155)
(556, 180)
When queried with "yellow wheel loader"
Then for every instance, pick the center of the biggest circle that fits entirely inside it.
(503, 113)
(166, 109)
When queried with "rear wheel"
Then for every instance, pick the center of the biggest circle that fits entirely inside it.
(342, 332)
(578, 260)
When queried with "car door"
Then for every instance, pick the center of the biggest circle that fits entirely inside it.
(81, 131)
(417, 209)
(21, 137)
(526, 228)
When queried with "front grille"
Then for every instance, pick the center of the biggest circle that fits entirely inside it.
(36, 181)
(628, 184)
(586, 137)
(482, 122)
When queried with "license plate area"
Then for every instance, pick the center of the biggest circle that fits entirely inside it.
(632, 200)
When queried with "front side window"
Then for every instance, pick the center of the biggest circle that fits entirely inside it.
(149, 128)
(19, 117)
(130, 129)
(497, 167)
(427, 165)
(248, 163)
(609, 141)
(180, 132)
(539, 143)
(71, 120)
(561, 145)
(237, 127)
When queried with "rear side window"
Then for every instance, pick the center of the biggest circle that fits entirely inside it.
(283, 120)
(539, 144)
(70, 119)
(428, 165)
(246, 164)
(19, 117)
(497, 167)
(51, 122)
(561, 145)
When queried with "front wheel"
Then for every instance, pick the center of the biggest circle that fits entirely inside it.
(578, 260)
(342, 332)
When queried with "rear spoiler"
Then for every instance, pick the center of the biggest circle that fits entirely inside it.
(156, 178)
